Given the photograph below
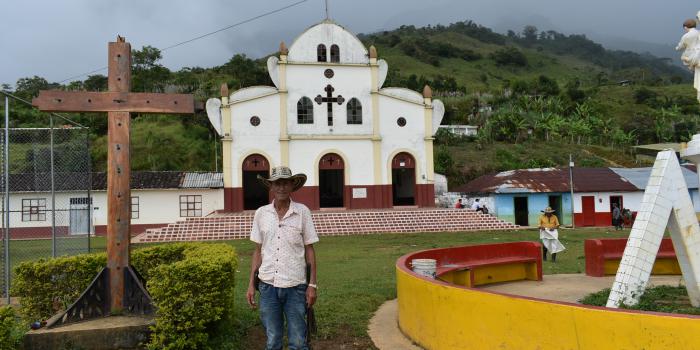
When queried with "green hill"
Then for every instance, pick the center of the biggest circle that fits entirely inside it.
(537, 96)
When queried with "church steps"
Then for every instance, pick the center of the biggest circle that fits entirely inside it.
(238, 225)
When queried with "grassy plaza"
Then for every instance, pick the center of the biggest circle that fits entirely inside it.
(356, 274)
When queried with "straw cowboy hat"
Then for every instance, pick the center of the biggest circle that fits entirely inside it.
(283, 172)
(548, 210)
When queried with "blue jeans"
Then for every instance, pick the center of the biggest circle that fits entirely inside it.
(290, 303)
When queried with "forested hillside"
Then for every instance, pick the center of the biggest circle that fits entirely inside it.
(533, 88)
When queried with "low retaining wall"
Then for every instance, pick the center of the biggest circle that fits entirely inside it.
(443, 316)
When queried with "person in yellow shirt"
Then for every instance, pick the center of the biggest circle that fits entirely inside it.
(549, 234)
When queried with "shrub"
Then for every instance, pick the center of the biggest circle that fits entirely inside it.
(11, 332)
(509, 57)
(191, 285)
(194, 297)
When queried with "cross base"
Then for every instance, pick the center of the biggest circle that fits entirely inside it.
(94, 302)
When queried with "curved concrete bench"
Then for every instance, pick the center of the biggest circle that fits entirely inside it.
(439, 315)
(476, 265)
(603, 257)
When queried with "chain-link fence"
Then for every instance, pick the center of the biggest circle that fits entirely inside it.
(45, 183)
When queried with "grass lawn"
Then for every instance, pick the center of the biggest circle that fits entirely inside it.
(356, 275)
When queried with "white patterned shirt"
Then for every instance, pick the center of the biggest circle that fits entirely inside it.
(283, 243)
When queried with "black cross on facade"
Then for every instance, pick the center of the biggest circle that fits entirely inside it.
(256, 162)
(329, 99)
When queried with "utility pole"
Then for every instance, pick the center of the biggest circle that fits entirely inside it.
(571, 188)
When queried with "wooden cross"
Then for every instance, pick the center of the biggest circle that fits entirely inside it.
(118, 102)
(329, 99)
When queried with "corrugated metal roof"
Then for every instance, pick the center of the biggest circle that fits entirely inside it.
(639, 177)
(140, 180)
(548, 180)
(203, 180)
(660, 146)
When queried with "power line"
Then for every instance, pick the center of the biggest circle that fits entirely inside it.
(201, 36)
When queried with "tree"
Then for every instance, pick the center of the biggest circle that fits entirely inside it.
(509, 57)
(28, 88)
(529, 35)
(148, 75)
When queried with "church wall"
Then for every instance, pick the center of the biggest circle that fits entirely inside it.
(409, 138)
(351, 48)
(306, 154)
(348, 81)
(249, 139)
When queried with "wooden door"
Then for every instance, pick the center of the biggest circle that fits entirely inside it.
(588, 206)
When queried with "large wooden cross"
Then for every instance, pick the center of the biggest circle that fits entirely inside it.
(118, 281)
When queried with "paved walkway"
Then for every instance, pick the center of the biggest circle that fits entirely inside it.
(386, 335)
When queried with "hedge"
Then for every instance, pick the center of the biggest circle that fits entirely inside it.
(191, 285)
(11, 331)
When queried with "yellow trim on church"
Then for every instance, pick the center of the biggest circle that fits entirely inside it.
(284, 137)
(428, 142)
(226, 141)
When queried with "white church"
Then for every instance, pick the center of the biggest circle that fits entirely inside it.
(360, 144)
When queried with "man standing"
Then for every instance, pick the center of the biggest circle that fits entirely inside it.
(284, 235)
(549, 234)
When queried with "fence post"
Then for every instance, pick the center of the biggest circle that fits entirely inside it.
(7, 198)
(53, 193)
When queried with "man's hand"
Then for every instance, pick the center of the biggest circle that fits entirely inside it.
(310, 296)
(250, 296)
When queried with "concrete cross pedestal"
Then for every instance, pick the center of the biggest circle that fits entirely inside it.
(117, 288)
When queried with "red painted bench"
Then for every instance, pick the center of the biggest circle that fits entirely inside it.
(603, 257)
(474, 265)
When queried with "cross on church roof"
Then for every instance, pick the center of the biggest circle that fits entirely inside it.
(329, 99)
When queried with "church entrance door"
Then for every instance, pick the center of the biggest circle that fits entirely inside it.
(331, 181)
(403, 179)
(255, 194)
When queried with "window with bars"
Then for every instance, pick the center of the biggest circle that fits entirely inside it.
(134, 207)
(305, 111)
(34, 209)
(190, 205)
(354, 111)
(335, 53)
(321, 53)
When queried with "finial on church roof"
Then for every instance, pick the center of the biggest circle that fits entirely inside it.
(372, 52)
(224, 90)
(120, 39)
(427, 92)
(283, 48)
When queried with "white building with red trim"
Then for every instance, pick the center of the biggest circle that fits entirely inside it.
(328, 115)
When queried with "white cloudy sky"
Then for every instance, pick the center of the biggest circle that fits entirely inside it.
(60, 39)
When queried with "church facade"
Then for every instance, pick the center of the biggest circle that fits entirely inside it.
(361, 145)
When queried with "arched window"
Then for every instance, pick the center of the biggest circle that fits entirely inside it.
(354, 111)
(305, 111)
(321, 52)
(335, 53)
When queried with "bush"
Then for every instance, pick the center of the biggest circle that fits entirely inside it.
(11, 332)
(191, 285)
(194, 297)
(509, 57)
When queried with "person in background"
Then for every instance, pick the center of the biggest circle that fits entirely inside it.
(476, 206)
(617, 217)
(459, 204)
(549, 223)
